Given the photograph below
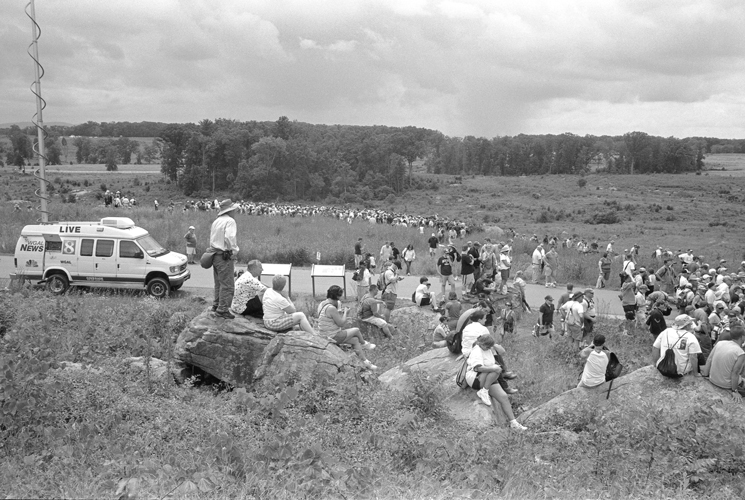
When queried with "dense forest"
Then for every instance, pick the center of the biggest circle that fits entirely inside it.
(293, 160)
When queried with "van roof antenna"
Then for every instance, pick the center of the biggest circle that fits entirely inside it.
(38, 121)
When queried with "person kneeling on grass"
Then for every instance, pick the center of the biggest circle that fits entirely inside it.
(483, 372)
(369, 312)
(331, 324)
(279, 311)
(596, 363)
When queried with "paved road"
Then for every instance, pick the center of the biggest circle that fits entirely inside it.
(606, 300)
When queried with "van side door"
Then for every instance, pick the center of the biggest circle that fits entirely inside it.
(105, 260)
(132, 263)
(86, 270)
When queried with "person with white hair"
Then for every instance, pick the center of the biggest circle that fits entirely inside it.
(280, 313)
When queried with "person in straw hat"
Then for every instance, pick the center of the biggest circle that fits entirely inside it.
(223, 233)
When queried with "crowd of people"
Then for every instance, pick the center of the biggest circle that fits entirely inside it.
(706, 336)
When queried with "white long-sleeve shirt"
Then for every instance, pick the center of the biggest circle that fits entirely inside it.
(223, 234)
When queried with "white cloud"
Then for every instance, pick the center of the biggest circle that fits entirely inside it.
(477, 67)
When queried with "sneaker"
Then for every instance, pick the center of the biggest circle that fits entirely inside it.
(509, 375)
(224, 314)
(517, 426)
(511, 390)
(484, 395)
(368, 345)
(369, 365)
(213, 308)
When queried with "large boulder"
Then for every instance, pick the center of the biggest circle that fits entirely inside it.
(240, 351)
(439, 367)
(644, 387)
(228, 349)
(303, 356)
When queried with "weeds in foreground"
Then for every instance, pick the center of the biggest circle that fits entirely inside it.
(82, 432)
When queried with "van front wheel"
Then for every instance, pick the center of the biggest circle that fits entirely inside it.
(158, 288)
(57, 284)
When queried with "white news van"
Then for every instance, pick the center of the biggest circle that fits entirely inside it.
(112, 253)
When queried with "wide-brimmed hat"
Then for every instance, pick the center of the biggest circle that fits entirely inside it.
(682, 321)
(227, 206)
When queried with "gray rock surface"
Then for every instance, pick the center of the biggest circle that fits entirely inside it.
(439, 366)
(228, 349)
(645, 386)
(303, 356)
(158, 367)
(241, 351)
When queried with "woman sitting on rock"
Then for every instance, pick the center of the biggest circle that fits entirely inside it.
(483, 372)
(279, 311)
(331, 324)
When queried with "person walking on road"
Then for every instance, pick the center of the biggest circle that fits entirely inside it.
(359, 251)
(537, 260)
(191, 245)
(224, 244)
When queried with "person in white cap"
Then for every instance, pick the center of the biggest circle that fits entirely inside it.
(224, 244)
(683, 342)
(191, 245)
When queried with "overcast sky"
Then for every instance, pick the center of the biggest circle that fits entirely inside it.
(472, 67)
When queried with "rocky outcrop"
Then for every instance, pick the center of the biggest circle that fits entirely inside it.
(643, 387)
(302, 356)
(228, 349)
(439, 367)
(240, 351)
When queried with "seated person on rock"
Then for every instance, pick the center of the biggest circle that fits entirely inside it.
(453, 310)
(331, 325)
(370, 311)
(725, 366)
(684, 344)
(483, 372)
(596, 363)
(249, 291)
(439, 337)
(279, 312)
(472, 331)
(424, 296)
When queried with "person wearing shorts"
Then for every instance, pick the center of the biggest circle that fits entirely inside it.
(191, 246)
(391, 279)
(445, 270)
(574, 318)
(279, 312)
(368, 311)
(331, 324)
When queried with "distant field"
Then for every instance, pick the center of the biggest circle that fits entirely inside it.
(79, 168)
(732, 163)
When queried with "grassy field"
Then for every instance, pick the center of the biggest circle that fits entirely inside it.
(77, 433)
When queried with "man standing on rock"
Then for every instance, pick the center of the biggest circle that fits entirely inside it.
(224, 245)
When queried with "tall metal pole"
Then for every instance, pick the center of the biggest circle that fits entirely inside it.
(38, 73)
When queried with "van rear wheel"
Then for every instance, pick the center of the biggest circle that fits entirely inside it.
(158, 288)
(57, 284)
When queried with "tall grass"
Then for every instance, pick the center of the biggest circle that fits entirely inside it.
(78, 433)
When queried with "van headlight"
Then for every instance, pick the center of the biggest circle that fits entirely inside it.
(175, 269)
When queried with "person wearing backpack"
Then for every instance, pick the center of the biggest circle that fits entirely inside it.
(596, 363)
(675, 351)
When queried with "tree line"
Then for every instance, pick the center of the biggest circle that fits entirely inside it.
(294, 160)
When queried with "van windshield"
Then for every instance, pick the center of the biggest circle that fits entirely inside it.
(152, 247)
